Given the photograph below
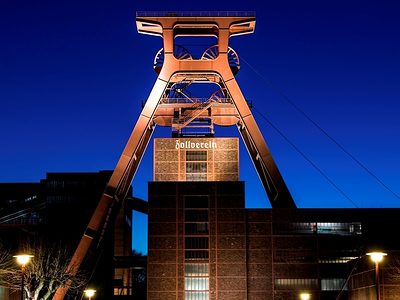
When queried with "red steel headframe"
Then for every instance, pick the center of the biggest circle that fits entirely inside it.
(168, 26)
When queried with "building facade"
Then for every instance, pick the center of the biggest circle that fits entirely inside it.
(57, 210)
(205, 245)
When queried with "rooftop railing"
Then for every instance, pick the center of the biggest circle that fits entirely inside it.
(195, 14)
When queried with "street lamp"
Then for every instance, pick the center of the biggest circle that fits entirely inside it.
(23, 259)
(89, 293)
(305, 296)
(377, 257)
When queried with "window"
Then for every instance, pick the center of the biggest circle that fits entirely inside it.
(196, 215)
(4, 293)
(332, 284)
(195, 270)
(294, 228)
(196, 228)
(196, 281)
(196, 177)
(192, 295)
(294, 255)
(196, 284)
(296, 283)
(196, 202)
(196, 155)
(196, 245)
(197, 255)
(337, 260)
(339, 228)
(196, 242)
(353, 228)
(196, 165)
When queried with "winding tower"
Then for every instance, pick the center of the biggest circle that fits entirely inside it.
(172, 104)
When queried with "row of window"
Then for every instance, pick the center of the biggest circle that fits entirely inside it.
(31, 220)
(196, 283)
(332, 284)
(196, 215)
(327, 284)
(337, 260)
(196, 202)
(196, 270)
(296, 283)
(196, 155)
(196, 255)
(62, 199)
(196, 167)
(307, 255)
(196, 177)
(196, 243)
(353, 228)
(196, 228)
(61, 184)
(192, 295)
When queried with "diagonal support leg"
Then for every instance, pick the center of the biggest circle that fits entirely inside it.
(119, 183)
(268, 172)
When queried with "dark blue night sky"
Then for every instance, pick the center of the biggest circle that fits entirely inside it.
(73, 75)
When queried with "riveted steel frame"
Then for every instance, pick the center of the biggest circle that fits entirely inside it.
(168, 27)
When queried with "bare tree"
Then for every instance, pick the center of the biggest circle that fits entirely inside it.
(44, 274)
(392, 268)
(6, 267)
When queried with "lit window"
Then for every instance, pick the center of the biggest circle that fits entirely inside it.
(196, 284)
(196, 165)
(337, 260)
(197, 295)
(196, 245)
(195, 270)
(294, 228)
(296, 283)
(339, 228)
(196, 281)
(196, 155)
(332, 284)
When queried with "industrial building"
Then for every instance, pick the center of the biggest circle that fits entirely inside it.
(57, 210)
(203, 244)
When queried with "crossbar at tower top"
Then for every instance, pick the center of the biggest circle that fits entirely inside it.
(195, 14)
(196, 23)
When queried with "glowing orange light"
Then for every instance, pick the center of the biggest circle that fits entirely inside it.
(305, 296)
(89, 293)
(23, 259)
(376, 257)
